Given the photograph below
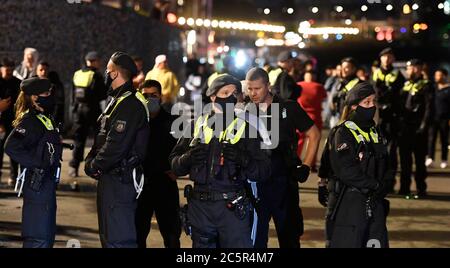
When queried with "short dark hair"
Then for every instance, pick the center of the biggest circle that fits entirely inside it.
(44, 63)
(442, 70)
(151, 83)
(349, 60)
(257, 73)
(137, 58)
(7, 62)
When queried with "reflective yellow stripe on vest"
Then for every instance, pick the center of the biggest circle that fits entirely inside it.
(388, 79)
(138, 95)
(413, 88)
(360, 135)
(83, 78)
(351, 85)
(273, 75)
(46, 121)
(201, 126)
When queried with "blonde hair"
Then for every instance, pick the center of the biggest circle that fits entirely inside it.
(23, 104)
(345, 113)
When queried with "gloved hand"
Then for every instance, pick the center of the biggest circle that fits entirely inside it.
(91, 171)
(196, 155)
(301, 173)
(233, 154)
(323, 195)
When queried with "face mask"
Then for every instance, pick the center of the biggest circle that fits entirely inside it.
(46, 103)
(365, 114)
(222, 102)
(153, 105)
(108, 80)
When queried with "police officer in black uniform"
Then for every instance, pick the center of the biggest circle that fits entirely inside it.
(35, 144)
(117, 154)
(346, 83)
(220, 157)
(283, 84)
(356, 164)
(88, 91)
(416, 99)
(279, 197)
(388, 83)
(160, 195)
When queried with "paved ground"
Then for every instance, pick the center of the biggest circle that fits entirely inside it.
(412, 223)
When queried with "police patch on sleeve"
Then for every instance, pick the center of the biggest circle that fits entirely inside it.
(21, 130)
(341, 147)
(120, 126)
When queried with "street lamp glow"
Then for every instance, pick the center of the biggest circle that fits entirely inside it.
(181, 21)
(325, 36)
(339, 9)
(441, 5)
(190, 21)
(301, 45)
(406, 9)
(267, 11)
(415, 6)
(348, 21)
(207, 23)
(364, 8)
(314, 10)
(290, 10)
(199, 22)
(389, 7)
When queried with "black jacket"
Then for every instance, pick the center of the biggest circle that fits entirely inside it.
(211, 176)
(416, 108)
(95, 93)
(122, 134)
(160, 145)
(27, 143)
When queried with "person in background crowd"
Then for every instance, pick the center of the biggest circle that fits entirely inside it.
(167, 79)
(440, 120)
(27, 68)
(140, 77)
(43, 72)
(9, 91)
(311, 100)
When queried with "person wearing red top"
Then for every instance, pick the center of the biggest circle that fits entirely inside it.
(311, 99)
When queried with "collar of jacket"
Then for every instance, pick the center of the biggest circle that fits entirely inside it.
(388, 70)
(128, 86)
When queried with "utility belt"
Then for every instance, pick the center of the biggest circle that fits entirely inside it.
(36, 177)
(216, 196)
(130, 171)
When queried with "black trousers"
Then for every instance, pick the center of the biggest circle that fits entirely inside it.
(215, 226)
(390, 129)
(160, 197)
(353, 229)
(39, 214)
(85, 119)
(116, 208)
(411, 144)
(13, 166)
(279, 199)
(441, 127)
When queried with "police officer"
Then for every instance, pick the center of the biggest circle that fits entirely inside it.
(281, 82)
(356, 165)
(116, 156)
(415, 113)
(88, 91)
(347, 82)
(220, 157)
(160, 195)
(279, 196)
(388, 82)
(36, 145)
